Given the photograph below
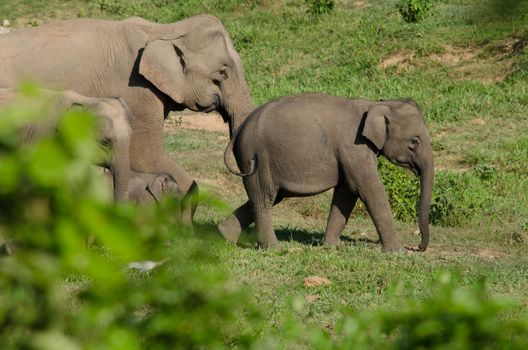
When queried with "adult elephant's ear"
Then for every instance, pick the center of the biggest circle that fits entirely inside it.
(375, 126)
(162, 63)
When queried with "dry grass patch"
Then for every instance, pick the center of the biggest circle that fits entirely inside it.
(488, 64)
(401, 60)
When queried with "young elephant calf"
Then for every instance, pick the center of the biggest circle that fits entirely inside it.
(303, 145)
(114, 129)
(148, 187)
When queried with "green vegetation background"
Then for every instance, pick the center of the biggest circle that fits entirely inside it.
(466, 63)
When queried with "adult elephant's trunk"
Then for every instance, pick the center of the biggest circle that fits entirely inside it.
(237, 103)
(426, 190)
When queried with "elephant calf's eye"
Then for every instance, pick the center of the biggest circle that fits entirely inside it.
(414, 142)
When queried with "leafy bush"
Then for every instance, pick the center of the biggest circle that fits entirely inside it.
(453, 317)
(319, 7)
(56, 293)
(458, 198)
(414, 11)
(402, 188)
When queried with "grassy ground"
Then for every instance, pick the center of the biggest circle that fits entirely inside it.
(466, 64)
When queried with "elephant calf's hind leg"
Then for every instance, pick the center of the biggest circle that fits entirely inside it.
(233, 225)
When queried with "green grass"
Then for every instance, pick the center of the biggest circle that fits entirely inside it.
(466, 64)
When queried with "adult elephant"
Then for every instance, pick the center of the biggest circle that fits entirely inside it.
(155, 68)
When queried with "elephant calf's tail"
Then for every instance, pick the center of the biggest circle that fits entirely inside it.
(231, 168)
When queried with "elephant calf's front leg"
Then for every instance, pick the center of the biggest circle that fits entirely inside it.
(370, 190)
(343, 201)
(379, 209)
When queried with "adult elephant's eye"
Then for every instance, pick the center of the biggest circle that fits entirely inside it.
(221, 74)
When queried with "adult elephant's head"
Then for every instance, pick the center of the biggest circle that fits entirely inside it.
(194, 62)
(397, 129)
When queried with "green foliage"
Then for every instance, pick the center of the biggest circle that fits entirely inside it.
(343, 53)
(458, 198)
(414, 11)
(452, 317)
(54, 292)
(319, 7)
(402, 188)
(462, 198)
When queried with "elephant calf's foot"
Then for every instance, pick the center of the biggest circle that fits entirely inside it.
(331, 241)
(230, 229)
(274, 245)
(393, 248)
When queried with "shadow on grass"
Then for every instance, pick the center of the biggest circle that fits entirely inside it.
(248, 238)
(316, 238)
(311, 238)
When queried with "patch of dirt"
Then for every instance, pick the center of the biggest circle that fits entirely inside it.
(194, 120)
(360, 4)
(399, 59)
(455, 55)
(488, 254)
(312, 298)
(316, 281)
(477, 122)
(513, 46)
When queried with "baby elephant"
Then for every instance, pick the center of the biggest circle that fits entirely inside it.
(114, 128)
(148, 187)
(303, 145)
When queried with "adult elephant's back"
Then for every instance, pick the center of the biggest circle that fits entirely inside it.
(87, 56)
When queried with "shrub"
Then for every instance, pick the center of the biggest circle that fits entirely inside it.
(56, 293)
(453, 317)
(319, 7)
(458, 198)
(414, 11)
(402, 188)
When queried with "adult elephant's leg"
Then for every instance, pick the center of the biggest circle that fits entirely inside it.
(232, 226)
(148, 154)
(147, 150)
(343, 201)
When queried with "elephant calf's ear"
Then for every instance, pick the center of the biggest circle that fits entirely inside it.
(161, 65)
(375, 127)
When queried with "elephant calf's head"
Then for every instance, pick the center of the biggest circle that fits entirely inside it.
(397, 129)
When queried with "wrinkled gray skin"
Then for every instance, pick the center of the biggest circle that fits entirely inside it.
(155, 68)
(114, 129)
(149, 187)
(303, 145)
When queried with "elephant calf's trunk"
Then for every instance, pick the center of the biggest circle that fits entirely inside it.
(426, 189)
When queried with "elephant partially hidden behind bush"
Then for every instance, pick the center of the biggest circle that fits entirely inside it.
(303, 145)
(155, 68)
(114, 119)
